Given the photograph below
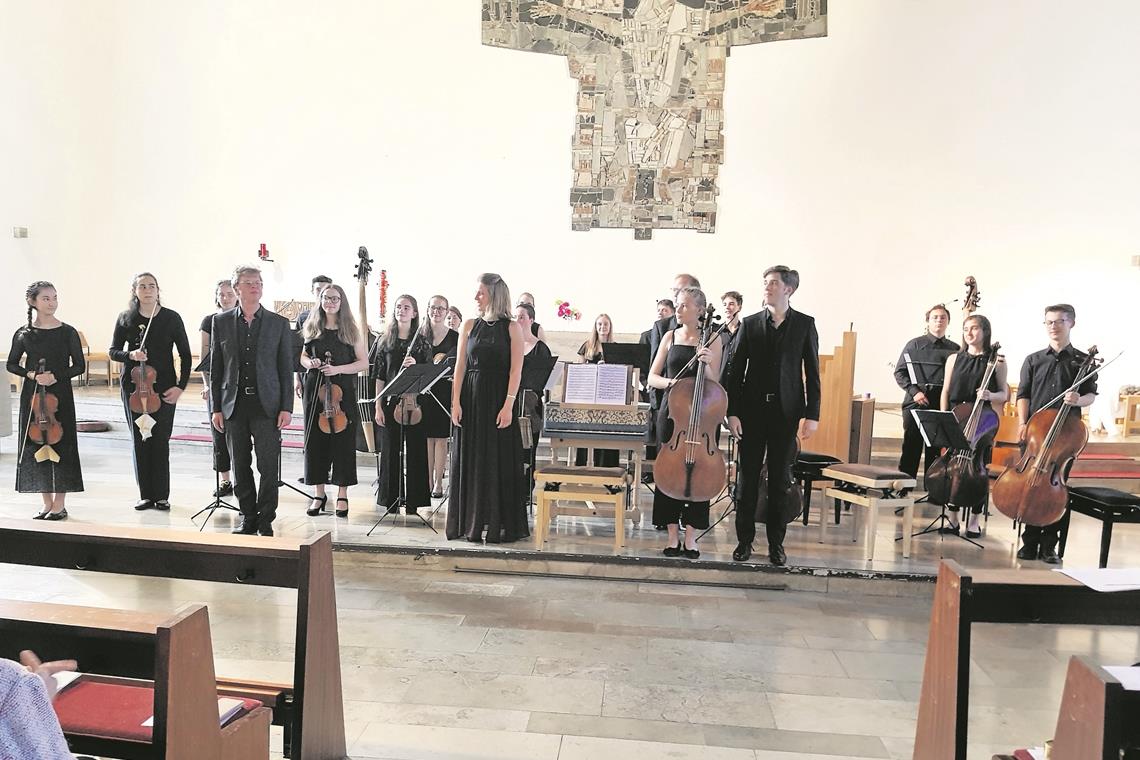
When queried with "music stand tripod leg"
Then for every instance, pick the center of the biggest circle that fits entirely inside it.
(218, 502)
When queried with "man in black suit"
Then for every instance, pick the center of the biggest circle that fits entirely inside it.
(251, 379)
(773, 385)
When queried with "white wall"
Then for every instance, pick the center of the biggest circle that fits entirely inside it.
(919, 143)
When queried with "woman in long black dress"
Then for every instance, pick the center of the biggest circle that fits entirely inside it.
(149, 332)
(334, 350)
(56, 344)
(225, 298)
(437, 417)
(676, 349)
(592, 352)
(964, 373)
(534, 348)
(401, 347)
(486, 465)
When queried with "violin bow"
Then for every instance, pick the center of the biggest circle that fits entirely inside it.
(1077, 383)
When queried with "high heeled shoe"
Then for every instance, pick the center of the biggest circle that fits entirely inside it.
(342, 512)
(317, 506)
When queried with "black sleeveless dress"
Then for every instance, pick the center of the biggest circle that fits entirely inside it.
(395, 437)
(62, 352)
(437, 417)
(486, 462)
(969, 369)
(330, 457)
(666, 509)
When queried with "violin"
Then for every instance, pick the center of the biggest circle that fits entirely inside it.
(408, 410)
(144, 399)
(1034, 490)
(44, 428)
(959, 477)
(332, 418)
(690, 465)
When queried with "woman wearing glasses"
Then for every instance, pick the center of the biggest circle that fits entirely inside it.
(334, 350)
(437, 414)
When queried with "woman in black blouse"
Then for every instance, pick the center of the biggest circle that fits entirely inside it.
(535, 328)
(400, 347)
(225, 298)
(591, 352)
(149, 332)
(965, 371)
(56, 344)
(437, 413)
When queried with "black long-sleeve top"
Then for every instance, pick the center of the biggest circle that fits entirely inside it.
(928, 359)
(167, 333)
(59, 347)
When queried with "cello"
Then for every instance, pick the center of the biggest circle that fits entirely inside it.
(959, 477)
(332, 418)
(690, 465)
(1034, 490)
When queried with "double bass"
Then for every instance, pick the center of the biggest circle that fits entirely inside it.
(690, 465)
(366, 441)
(959, 477)
(1034, 490)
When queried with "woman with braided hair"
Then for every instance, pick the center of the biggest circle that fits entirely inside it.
(58, 346)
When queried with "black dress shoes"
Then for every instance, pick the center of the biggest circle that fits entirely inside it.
(267, 531)
(162, 505)
(225, 488)
(777, 556)
(742, 552)
(144, 504)
(1027, 552)
(245, 528)
(1050, 556)
(672, 551)
(693, 553)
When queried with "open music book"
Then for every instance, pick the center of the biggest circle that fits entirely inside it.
(597, 384)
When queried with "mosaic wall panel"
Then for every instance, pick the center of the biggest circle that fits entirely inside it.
(648, 140)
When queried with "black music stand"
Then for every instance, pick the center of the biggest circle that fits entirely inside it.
(417, 380)
(941, 430)
(218, 502)
(633, 354)
(538, 374)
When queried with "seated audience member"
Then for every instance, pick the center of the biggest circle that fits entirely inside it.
(28, 725)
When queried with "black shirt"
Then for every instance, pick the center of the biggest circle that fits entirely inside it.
(166, 334)
(774, 338)
(969, 370)
(248, 334)
(928, 359)
(1046, 374)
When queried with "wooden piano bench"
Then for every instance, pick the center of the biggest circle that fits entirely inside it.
(593, 485)
(871, 487)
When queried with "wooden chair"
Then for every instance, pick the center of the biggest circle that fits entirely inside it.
(148, 665)
(311, 708)
(101, 358)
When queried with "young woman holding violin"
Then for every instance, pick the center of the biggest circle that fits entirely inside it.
(401, 347)
(964, 374)
(225, 298)
(47, 353)
(672, 363)
(437, 422)
(334, 353)
(487, 497)
(145, 337)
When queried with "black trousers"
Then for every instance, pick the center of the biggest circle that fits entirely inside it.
(913, 446)
(152, 456)
(249, 430)
(1038, 537)
(221, 451)
(769, 433)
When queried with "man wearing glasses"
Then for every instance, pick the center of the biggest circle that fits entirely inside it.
(251, 387)
(1044, 375)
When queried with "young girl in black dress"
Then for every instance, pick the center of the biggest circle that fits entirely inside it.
(486, 448)
(437, 421)
(225, 298)
(149, 332)
(330, 329)
(47, 339)
(401, 347)
(676, 349)
(591, 352)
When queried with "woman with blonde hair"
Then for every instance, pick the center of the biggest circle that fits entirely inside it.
(487, 498)
(334, 350)
(593, 352)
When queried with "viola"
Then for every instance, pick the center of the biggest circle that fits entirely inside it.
(332, 418)
(44, 427)
(144, 399)
(690, 465)
(959, 477)
(1034, 490)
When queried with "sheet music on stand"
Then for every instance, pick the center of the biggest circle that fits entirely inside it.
(634, 354)
(607, 384)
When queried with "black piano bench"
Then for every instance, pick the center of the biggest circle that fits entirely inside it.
(808, 469)
(1108, 505)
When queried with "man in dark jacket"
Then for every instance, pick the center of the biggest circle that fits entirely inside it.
(773, 393)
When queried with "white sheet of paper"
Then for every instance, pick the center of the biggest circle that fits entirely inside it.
(228, 707)
(1106, 578)
(613, 384)
(581, 383)
(64, 678)
(1128, 676)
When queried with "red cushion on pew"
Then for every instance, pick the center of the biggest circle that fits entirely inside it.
(112, 710)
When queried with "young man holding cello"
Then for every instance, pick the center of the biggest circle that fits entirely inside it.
(1044, 375)
(773, 390)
